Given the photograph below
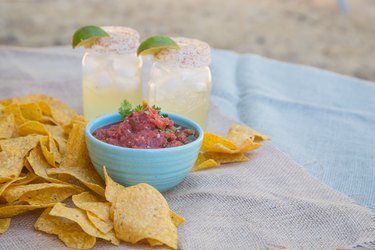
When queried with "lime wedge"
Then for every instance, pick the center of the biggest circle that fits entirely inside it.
(87, 35)
(154, 44)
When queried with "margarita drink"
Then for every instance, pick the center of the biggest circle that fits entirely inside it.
(111, 72)
(180, 80)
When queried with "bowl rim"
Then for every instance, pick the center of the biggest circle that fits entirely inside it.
(191, 124)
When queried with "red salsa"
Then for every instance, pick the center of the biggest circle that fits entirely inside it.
(146, 129)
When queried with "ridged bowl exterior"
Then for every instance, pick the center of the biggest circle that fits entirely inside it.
(162, 168)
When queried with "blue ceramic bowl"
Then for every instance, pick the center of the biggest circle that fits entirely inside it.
(162, 168)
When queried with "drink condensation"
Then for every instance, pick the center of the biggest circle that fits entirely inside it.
(111, 72)
(180, 80)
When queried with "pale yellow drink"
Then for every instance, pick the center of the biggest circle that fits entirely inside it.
(111, 72)
(180, 80)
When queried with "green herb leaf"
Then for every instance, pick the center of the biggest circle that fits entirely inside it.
(190, 138)
(138, 108)
(125, 109)
(156, 108)
(164, 115)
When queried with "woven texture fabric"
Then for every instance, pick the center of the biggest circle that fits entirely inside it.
(322, 120)
(270, 202)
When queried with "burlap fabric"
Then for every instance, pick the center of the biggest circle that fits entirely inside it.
(269, 202)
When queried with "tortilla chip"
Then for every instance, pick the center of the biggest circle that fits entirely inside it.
(31, 111)
(103, 226)
(11, 165)
(4, 225)
(53, 149)
(11, 210)
(45, 108)
(28, 178)
(68, 231)
(41, 193)
(75, 120)
(39, 165)
(88, 176)
(237, 133)
(89, 202)
(176, 219)
(141, 212)
(21, 144)
(153, 242)
(50, 157)
(31, 128)
(246, 146)
(76, 154)
(112, 188)
(210, 163)
(16, 111)
(60, 112)
(4, 186)
(7, 126)
(227, 158)
(210, 140)
(79, 216)
(59, 137)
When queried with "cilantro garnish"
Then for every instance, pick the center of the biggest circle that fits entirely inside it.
(156, 108)
(190, 138)
(138, 108)
(126, 109)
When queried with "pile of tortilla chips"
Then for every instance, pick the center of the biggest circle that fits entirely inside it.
(44, 162)
(217, 150)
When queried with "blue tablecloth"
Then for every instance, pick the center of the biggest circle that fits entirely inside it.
(322, 120)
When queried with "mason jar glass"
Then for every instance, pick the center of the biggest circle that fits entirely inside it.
(111, 72)
(180, 80)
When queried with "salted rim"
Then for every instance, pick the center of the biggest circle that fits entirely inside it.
(192, 53)
(121, 40)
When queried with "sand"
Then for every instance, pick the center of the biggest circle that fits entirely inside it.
(311, 32)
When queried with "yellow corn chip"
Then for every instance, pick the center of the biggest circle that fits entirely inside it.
(7, 126)
(210, 140)
(176, 219)
(39, 165)
(89, 202)
(47, 154)
(227, 158)
(241, 131)
(4, 186)
(16, 111)
(103, 226)
(68, 231)
(11, 165)
(76, 154)
(11, 210)
(41, 193)
(45, 108)
(59, 110)
(153, 242)
(4, 225)
(31, 128)
(210, 163)
(140, 212)
(112, 188)
(79, 216)
(246, 146)
(28, 178)
(31, 111)
(21, 144)
(75, 120)
(88, 176)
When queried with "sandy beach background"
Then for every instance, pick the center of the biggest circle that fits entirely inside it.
(311, 32)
